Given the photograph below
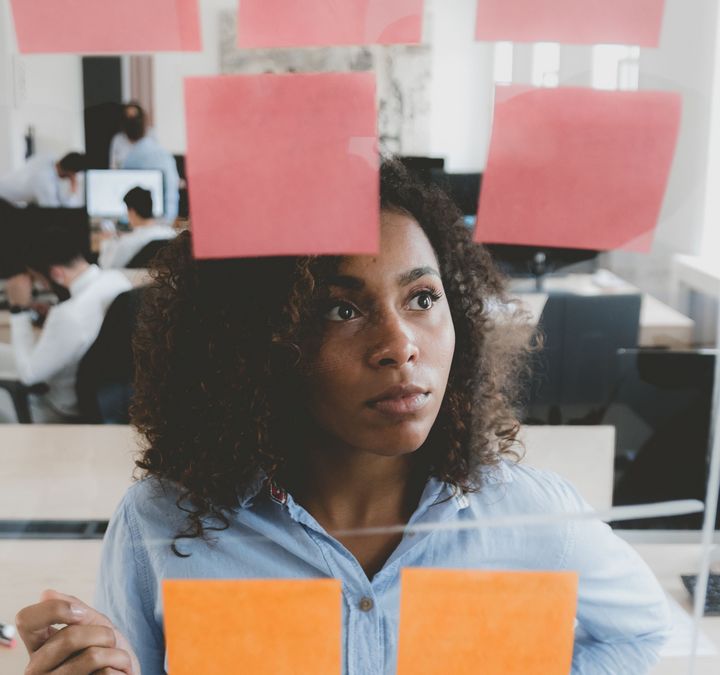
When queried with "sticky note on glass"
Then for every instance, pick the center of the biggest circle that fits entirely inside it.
(106, 26)
(253, 626)
(283, 164)
(503, 623)
(627, 22)
(577, 168)
(310, 23)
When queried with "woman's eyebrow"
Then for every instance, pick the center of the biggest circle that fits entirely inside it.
(408, 277)
(357, 284)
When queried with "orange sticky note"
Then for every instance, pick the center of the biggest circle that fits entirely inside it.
(106, 26)
(627, 22)
(466, 622)
(256, 626)
(279, 23)
(577, 168)
(283, 164)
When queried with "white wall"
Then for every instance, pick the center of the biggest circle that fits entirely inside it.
(462, 89)
(170, 69)
(39, 90)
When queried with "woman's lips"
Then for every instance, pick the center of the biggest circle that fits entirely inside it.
(401, 405)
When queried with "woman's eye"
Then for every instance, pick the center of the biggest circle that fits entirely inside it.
(341, 311)
(423, 301)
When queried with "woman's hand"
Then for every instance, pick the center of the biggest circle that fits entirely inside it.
(87, 644)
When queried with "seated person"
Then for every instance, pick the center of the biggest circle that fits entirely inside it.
(288, 401)
(69, 329)
(46, 181)
(117, 252)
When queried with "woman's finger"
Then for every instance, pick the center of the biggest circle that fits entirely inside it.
(69, 641)
(93, 659)
(34, 623)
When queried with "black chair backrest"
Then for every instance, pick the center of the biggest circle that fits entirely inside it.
(143, 257)
(582, 335)
(105, 373)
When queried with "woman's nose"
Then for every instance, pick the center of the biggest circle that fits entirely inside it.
(395, 344)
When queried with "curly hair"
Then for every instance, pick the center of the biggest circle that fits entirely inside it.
(218, 357)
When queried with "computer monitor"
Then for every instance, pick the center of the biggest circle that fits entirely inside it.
(105, 189)
(661, 407)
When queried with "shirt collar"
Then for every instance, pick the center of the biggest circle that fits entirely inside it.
(85, 280)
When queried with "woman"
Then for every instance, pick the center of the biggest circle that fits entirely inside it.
(287, 399)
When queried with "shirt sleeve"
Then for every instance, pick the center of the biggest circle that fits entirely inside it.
(126, 589)
(46, 189)
(57, 346)
(623, 615)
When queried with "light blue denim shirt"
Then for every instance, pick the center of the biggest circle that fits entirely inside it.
(622, 616)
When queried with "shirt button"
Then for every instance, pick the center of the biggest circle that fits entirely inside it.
(366, 604)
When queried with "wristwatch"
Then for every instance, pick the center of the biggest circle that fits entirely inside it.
(17, 309)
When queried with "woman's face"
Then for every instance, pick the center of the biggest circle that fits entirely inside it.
(379, 375)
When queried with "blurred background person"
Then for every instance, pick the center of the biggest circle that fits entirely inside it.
(118, 251)
(46, 181)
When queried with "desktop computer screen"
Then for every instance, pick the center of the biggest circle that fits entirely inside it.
(661, 407)
(106, 188)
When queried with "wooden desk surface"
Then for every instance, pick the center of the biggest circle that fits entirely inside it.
(660, 324)
(64, 472)
(26, 572)
(668, 562)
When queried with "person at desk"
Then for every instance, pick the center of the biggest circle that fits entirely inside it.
(69, 329)
(116, 252)
(46, 181)
(147, 153)
(120, 145)
(327, 394)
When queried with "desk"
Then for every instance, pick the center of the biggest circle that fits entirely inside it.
(583, 455)
(668, 562)
(26, 572)
(64, 472)
(660, 324)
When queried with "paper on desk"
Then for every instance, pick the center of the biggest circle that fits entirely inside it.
(106, 26)
(266, 626)
(278, 23)
(513, 623)
(577, 168)
(637, 22)
(680, 641)
(283, 164)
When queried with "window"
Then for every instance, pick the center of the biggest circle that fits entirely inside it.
(503, 66)
(546, 64)
(616, 67)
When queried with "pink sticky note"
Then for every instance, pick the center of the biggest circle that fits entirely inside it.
(577, 168)
(106, 26)
(279, 23)
(629, 22)
(283, 164)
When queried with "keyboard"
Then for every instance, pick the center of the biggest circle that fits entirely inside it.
(712, 598)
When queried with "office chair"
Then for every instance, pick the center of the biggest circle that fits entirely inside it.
(105, 373)
(574, 372)
(142, 258)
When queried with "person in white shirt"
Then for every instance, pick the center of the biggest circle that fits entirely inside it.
(119, 251)
(46, 181)
(70, 327)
